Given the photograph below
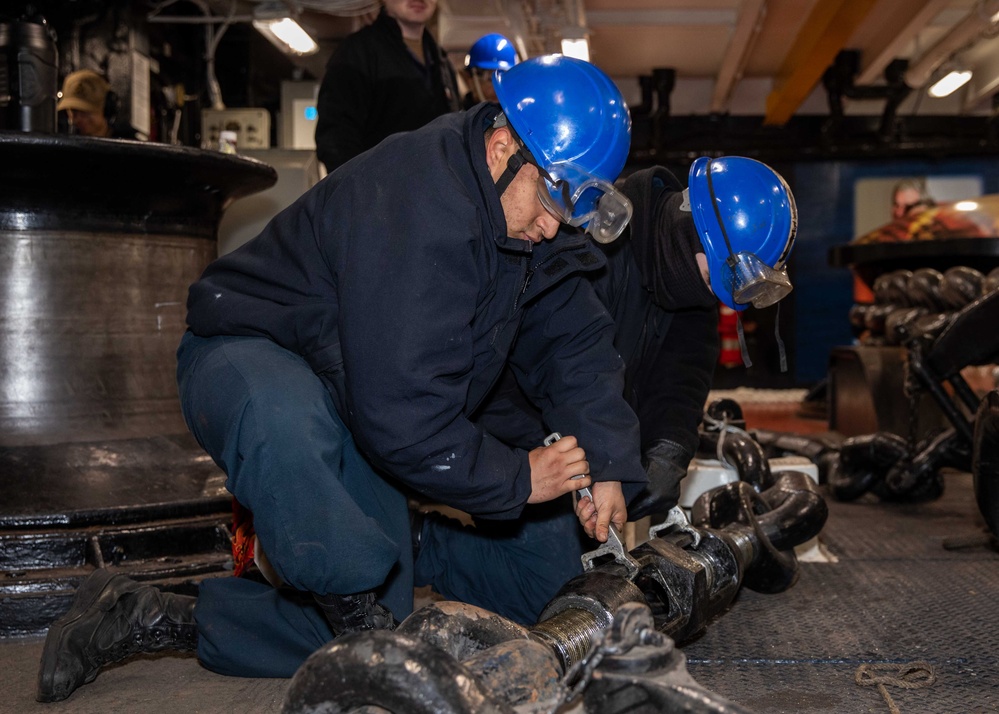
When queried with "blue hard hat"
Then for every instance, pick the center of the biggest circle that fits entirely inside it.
(492, 51)
(573, 120)
(746, 219)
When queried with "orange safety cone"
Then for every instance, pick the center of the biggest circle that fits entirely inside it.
(728, 331)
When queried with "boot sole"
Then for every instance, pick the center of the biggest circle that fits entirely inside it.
(86, 596)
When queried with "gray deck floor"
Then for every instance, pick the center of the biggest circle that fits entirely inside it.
(896, 595)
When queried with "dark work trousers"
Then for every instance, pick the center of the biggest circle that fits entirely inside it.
(329, 523)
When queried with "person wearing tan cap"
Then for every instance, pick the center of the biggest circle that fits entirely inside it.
(84, 98)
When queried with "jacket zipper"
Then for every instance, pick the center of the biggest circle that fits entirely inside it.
(531, 269)
(528, 274)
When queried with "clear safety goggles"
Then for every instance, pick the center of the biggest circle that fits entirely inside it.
(753, 281)
(594, 203)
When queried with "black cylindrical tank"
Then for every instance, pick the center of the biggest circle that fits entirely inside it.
(29, 76)
(99, 241)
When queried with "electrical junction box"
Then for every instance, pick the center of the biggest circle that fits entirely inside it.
(251, 126)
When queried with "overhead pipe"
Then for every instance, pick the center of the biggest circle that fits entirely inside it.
(643, 109)
(985, 81)
(663, 83)
(982, 17)
(212, 39)
(575, 13)
(893, 36)
(839, 82)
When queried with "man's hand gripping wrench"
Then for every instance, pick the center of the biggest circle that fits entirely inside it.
(614, 546)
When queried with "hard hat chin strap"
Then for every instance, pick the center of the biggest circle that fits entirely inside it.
(731, 263)
(780, 342)
(782, 351)
(514, 164)
(520, 159)
(731, 260)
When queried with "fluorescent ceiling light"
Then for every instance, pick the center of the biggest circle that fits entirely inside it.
(575, 43)
(966, 206)
(274, 22)
(950, 82)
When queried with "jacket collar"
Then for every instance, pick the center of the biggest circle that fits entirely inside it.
(387, 24)
(477, 120)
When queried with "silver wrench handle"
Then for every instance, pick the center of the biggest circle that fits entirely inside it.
(614, 546)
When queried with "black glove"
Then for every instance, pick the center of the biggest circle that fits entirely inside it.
(665, 464)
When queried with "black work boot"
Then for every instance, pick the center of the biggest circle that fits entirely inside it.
(353, 613)
(111, 618)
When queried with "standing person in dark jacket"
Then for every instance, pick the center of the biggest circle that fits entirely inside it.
(336, 363)
(389, 76)
(662, 283)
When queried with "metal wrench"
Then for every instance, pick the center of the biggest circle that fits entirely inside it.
(676, 519)
(614, 546)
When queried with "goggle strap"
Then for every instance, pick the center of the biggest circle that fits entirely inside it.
(524, 156)
(514, 164)
(563, 187)
(730, 261)
(742, 341)
(561, 184)
(780, 342)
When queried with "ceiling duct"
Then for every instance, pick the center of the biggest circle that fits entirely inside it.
(547, 19)
(839, 82)
(341, 8)
(981, 20)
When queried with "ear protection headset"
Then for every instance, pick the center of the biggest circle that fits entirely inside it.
(112, 105)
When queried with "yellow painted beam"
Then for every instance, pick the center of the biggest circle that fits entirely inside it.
(825, 32)
(907, 19)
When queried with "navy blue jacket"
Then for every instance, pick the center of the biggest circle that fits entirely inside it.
(374, 87)
(395, 279)
(670, 355)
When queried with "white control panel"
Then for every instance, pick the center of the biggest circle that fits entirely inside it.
(252, 127)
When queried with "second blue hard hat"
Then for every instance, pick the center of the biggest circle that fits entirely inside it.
(491, 52)
(747, 220)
